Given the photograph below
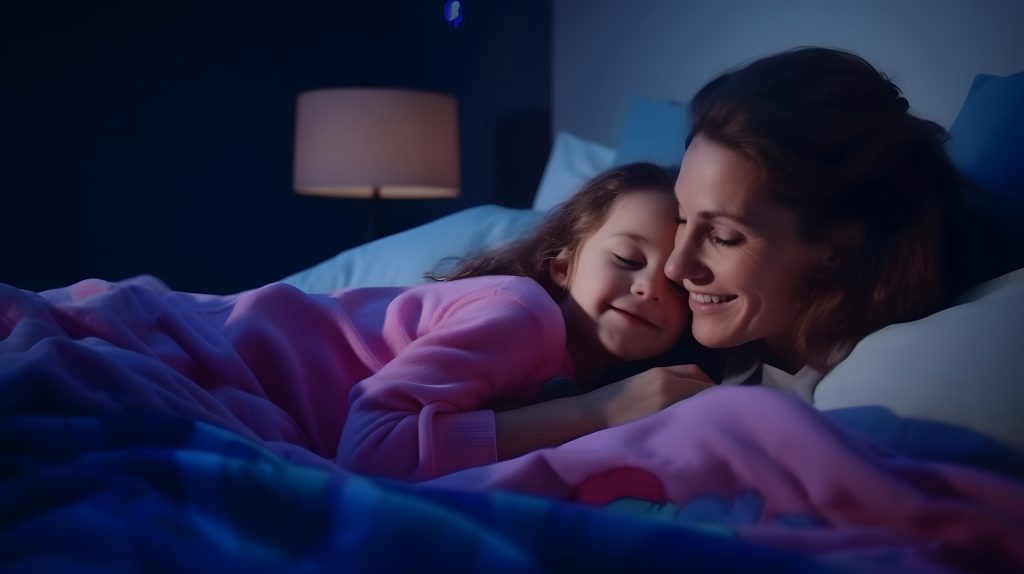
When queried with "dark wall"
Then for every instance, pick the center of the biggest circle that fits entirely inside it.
(156, 137)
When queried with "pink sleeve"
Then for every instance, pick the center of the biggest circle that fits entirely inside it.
(418, 417)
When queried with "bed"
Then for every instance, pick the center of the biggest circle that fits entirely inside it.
(911, 459)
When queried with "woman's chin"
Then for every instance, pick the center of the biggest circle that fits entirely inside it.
(715, 338)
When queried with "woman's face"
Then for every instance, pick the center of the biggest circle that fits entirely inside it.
(737, 253)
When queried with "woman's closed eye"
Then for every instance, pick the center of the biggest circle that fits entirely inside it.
(716, 236)
(719, 238)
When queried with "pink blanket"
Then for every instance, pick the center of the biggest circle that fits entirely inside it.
(750, 462)
(771, 469)
(135, 346)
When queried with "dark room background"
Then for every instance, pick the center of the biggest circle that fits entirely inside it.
(156, 136)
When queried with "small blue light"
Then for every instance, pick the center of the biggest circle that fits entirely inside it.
(453, 12)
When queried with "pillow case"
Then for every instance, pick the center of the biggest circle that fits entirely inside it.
(403, 258)
(654, 131)
(986, 142)
(961, 366)
(573, 161)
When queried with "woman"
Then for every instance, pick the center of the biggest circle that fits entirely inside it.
(813, 210)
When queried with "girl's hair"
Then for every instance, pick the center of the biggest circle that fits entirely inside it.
(564, 228)
(832, 140)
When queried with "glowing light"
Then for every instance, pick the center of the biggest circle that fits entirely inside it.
(453, 12)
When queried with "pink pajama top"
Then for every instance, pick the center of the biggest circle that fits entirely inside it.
(387, 381)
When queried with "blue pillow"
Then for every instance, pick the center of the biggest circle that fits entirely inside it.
(987, 138)
(987, 143)
(931, 440)
(402, 259)
(654, 131)
(573, 162)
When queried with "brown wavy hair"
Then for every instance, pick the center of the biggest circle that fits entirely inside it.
(833, 141)
(564, 228)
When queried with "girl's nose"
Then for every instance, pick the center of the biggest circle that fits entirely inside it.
(645, 288)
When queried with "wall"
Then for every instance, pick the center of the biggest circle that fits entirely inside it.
(156, 137)
(606, 51)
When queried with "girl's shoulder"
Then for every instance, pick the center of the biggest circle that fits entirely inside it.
(496, 295)
(516, 310)
(515, 287)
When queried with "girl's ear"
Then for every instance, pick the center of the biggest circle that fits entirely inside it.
(561, 267)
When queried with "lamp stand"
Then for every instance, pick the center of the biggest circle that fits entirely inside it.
(375, 219)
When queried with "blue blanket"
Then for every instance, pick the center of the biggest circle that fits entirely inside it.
(155, 494)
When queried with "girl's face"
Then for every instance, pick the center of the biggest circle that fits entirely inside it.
(619, 299)
(737, 253)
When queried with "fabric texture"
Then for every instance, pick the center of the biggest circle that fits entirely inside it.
(404, 258)
(573, 161)
(122, 493)
(987, 138)
(986, 141)
(960, 366)
(768, 468)
(744, 365)
(405, 371)
(654, 131)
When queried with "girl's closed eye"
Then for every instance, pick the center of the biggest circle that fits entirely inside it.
(627, 261)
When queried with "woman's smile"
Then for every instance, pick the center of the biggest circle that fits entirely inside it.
(705, 303)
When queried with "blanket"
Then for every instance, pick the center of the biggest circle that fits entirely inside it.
(733, 479)
(123, 493)
(768, 468)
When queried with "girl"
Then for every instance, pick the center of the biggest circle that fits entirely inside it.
(388, 381)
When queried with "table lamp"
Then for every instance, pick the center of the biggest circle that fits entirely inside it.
(376, 143)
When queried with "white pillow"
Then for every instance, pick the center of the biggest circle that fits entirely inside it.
(573, 161)
(961, 366)
(403, 258)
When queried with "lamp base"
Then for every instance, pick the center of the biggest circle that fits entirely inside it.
(375, 218)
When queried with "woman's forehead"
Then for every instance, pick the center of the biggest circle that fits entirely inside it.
(714, 176)
(717, 183)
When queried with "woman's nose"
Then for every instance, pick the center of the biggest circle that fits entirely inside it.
(685, 263)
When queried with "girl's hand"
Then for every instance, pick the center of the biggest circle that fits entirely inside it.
(554, 422)
(646, 393)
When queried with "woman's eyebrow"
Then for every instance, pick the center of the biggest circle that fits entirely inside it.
(708, 215)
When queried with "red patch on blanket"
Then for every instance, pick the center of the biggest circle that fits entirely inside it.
(625, 482)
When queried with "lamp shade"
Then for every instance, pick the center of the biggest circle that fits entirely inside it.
(349, 141)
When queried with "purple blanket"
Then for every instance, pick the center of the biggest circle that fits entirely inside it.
(747, 462)
(773, 470)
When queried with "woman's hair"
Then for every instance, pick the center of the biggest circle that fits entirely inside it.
(565, 227)
(832, 141)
